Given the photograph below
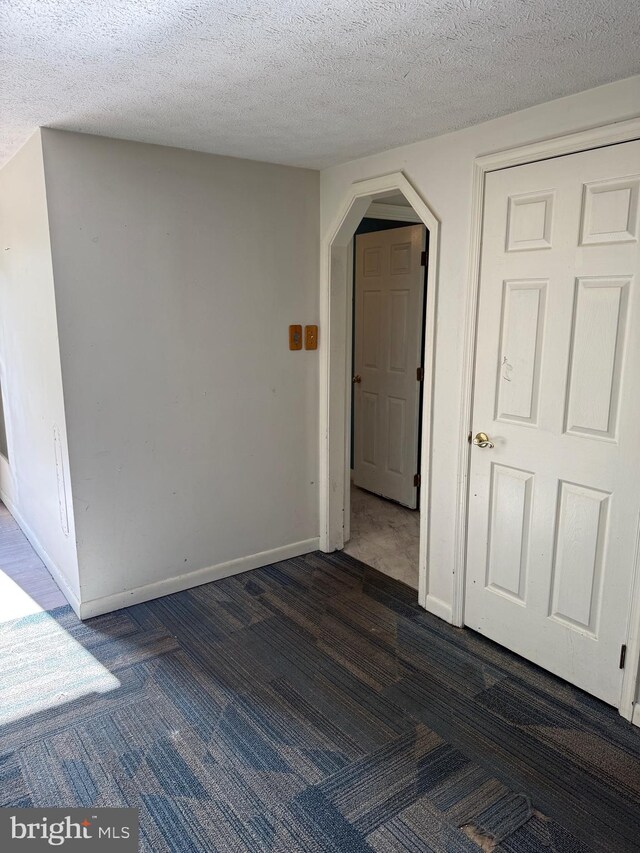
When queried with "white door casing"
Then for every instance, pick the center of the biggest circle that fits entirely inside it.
(554, 507)
(389, 293)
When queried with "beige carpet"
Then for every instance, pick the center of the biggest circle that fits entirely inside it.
(384, 535)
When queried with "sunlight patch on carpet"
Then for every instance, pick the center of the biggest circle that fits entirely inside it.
(44, 667)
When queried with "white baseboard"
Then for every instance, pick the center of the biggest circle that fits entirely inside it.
(635, 718)
(108, 603)
(439, 608)
(51, 566)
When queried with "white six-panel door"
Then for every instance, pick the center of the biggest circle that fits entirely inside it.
(389, 292)
(554, 506)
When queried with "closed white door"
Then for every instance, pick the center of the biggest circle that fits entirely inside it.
(554, 505)
(389, 292)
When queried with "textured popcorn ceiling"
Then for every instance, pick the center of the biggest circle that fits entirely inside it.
(304, 82)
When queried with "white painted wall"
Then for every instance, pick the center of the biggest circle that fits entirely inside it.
(30, 370)
(441, 171)
(193, 430)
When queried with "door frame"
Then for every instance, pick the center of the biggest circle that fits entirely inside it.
(597, 137)
(336, 286)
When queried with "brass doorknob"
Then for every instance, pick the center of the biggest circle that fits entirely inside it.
(357, 378)
(482, 440)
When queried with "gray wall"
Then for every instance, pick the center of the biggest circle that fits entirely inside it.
(34, 484)
(193, 430)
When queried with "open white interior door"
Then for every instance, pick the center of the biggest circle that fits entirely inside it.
(389, 293)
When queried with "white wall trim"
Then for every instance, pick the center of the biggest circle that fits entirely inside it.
(335, 287)
(610, 134)
(438, 607)
(108, 603)
(126, 598)
(468, 365)
(50, 565)
(392, 211)
(628, 705)
(348, 387)
(557, 146)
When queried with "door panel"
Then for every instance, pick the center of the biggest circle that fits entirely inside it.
(389, 292)
(554, 505)
(597, 345)
(523, 309)
(509, 526)
(581, 522)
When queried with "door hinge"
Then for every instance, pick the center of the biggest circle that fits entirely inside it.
(423, 259)
(420, 374)
(417, 479)
(623, 655)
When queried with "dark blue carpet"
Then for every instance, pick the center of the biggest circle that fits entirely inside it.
(310, 706)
